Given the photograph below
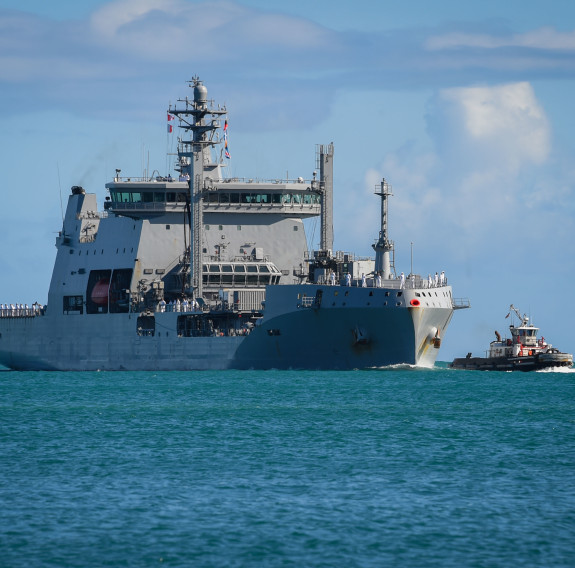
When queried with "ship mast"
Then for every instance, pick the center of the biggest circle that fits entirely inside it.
(384, 247)
(195, 160)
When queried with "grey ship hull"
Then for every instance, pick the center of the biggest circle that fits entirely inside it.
(367, 327)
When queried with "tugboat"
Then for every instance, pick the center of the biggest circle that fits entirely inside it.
(523, 352)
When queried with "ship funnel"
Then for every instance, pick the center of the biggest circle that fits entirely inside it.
(200, 93)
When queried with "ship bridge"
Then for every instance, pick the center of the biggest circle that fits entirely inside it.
(137, 196)
(293, 198)
(143, 195)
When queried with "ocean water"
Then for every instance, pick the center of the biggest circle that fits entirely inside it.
(398, 467)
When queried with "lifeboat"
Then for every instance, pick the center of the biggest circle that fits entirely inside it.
(99, 293)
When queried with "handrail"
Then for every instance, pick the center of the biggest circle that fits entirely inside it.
(460, 303)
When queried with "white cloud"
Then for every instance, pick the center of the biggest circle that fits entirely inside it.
(504, 123)
(493, 144)
(179, 30)
(542, 38)
(130, 50)
(491, 149)
(108, 20)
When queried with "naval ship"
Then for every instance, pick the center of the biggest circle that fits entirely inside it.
(200, 271)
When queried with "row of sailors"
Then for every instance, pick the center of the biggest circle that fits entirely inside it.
(438, 280)
(21, 310)
(178, 306)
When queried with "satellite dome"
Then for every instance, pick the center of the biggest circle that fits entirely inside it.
(200, 93)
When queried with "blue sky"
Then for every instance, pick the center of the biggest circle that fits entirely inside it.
(466, 108)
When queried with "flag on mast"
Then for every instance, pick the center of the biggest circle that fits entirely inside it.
(226, 150)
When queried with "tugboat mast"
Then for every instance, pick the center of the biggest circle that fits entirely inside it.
(195, 161)
(383, 247)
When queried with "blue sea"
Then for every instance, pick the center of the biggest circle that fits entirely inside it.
(398, 467)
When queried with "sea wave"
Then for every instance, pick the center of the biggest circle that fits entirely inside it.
(557, 370)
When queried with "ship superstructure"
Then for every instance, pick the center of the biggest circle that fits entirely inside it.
(197, 270)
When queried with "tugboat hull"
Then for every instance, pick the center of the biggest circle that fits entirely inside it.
(529, 363)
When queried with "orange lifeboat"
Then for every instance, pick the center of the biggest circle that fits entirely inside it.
(100, 292)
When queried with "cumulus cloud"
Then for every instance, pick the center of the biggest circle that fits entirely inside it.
(502, 125)
(491, 147)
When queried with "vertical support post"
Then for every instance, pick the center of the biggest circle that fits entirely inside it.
(326, 187)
